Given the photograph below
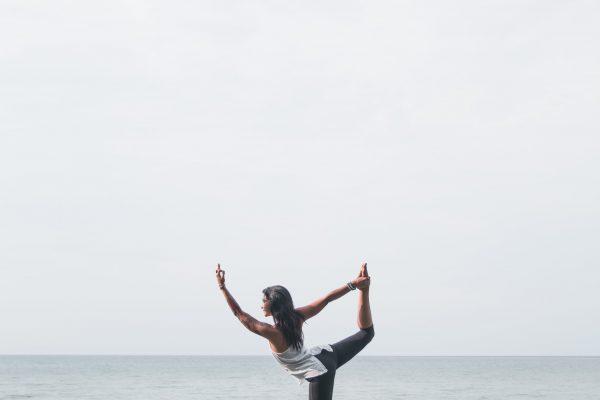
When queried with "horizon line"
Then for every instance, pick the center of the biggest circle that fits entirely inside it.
(268, 355)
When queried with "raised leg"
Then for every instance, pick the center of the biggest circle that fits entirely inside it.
(346, 349)
(365, 319)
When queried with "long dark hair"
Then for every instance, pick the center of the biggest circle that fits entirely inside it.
(286, 318)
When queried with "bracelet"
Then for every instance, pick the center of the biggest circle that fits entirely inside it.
(221, 287)
(350, 286)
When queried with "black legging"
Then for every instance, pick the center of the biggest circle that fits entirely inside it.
(321, 387)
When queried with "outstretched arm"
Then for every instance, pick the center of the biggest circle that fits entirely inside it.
(246, 319)
(316, 306)
(260, 328)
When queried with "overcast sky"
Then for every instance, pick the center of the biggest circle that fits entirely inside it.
(454, 146)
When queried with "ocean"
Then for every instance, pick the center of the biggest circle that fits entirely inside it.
(260, 377)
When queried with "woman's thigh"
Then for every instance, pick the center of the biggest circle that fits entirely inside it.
(352, 345)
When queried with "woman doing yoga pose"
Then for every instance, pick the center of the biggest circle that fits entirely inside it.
(318, 364)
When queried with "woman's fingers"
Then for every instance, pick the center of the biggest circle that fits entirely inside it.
(220, 274)
(363, 282)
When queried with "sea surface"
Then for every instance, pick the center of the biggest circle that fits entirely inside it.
(260, 377)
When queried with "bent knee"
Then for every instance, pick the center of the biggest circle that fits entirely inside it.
(369, 333)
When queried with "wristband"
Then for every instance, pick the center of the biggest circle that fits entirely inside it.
(351, 286)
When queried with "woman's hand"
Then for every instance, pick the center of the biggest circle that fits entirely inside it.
(363, 280)
(220, 276)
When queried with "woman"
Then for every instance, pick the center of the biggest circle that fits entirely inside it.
(318, 364)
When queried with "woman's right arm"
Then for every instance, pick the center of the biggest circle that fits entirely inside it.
(265, 330)
(316, 306)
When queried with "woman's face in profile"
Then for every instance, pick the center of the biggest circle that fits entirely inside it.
(266, 308)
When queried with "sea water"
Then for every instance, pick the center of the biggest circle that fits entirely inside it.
(260, 377)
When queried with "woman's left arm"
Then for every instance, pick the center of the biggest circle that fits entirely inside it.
(260, 328)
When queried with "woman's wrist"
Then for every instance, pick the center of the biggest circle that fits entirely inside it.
(222, 286)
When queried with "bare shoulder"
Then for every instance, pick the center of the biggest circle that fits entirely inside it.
(268, 331)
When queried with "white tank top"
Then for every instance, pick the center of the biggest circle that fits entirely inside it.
(302, 363)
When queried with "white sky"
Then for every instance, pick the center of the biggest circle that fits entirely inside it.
(454, 146)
